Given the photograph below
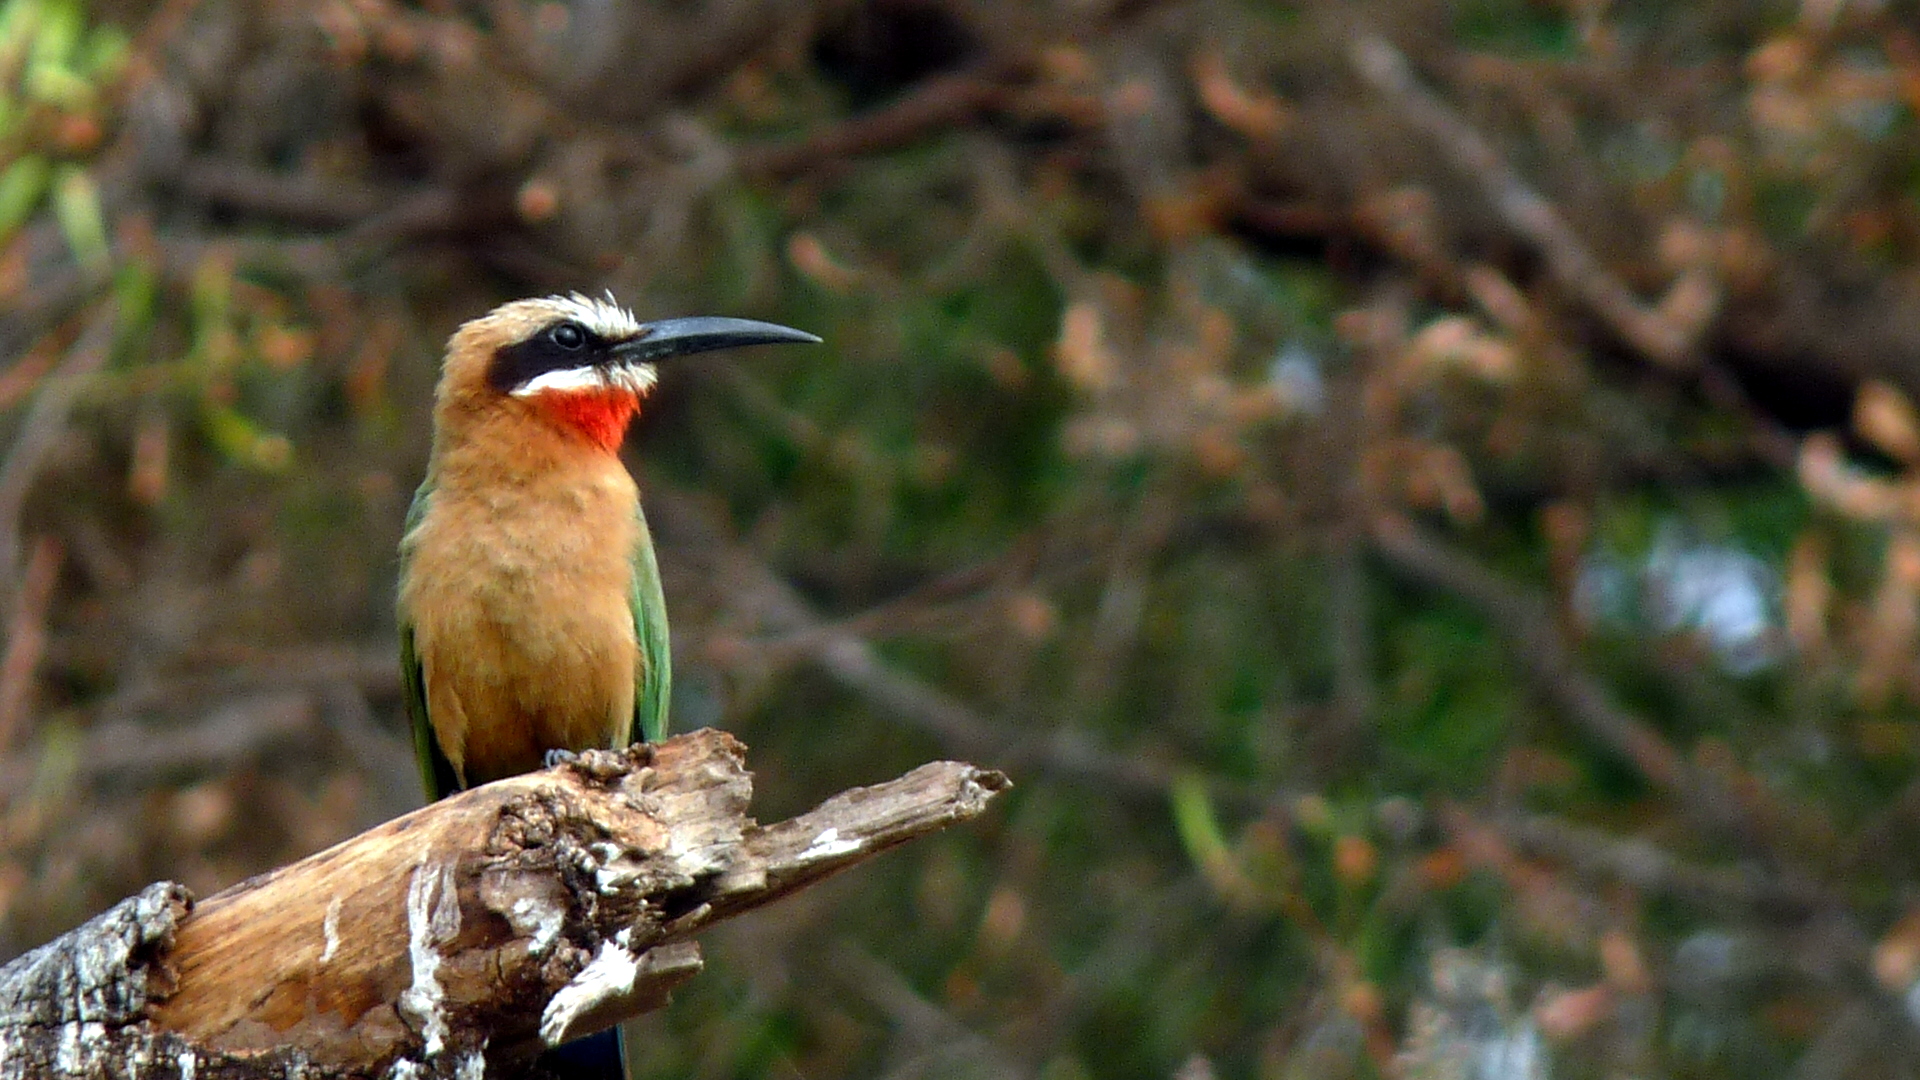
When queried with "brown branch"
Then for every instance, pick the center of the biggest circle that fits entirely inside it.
(851, 661)
(468, 934)
(944, 102)
(1547, 658)
(1550, 664)
(44, 426)
(297, 197)
(27, 637)
(1662, 338)
(1645, 865)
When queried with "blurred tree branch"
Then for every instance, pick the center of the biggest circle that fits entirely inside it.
(1667, 333)
(1742, 811)
(943, 102)
(44, 426)
(850, 660)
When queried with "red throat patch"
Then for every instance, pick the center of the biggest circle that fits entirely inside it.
(600, 416)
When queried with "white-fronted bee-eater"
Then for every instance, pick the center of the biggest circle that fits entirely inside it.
(530, 612)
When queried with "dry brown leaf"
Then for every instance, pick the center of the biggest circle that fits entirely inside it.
(1883, 416)
(1253, 114)
(1825, 475)
(1896, 956)
(1564, 1015)
(1081, 350)
(1889, 648)
(811, 257)
(1808, 595)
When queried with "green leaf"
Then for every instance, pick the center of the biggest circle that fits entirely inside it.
(212, 293)
(76, 203)
(244, 442)
(136, 288)
(58, 85)
(56, 33)
(105, 53)
(21, 186)
(19, 19)
(1194, 821)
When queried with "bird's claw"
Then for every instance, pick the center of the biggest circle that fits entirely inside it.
(558, 756)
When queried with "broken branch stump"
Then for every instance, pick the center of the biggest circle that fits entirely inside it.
(459, 939)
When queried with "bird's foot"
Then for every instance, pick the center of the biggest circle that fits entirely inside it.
(603, 766)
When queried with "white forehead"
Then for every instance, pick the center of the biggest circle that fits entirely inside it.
(603, 317)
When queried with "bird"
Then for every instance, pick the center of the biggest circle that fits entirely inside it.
(529, 607)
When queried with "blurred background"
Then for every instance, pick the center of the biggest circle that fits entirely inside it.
(1423, 498)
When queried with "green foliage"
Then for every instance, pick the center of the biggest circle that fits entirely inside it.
(1449, 705)
(1515, 26)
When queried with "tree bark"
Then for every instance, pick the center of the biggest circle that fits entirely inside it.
(458, 940)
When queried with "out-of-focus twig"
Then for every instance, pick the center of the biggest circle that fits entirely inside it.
(1528, 624)
(134, 754)
(851, 661)
(1645, 865)
(1663, 339)
(27, 637)
(936, 604)
(1549, 663)
(947, 101)
(44, 426)
(930, 1034)
(369, 666)
(307, 199)
(160, 30)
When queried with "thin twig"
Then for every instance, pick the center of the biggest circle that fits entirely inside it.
(931, 1035)
(45, 425)
(851, 661)
(27, 637)
(1645, 865)
(297, 197)
(1550, 664)
(944, 102)
(214, 674)
(1526, 211)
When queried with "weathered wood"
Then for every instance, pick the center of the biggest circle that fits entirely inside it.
(461, 938)
(63, 1004)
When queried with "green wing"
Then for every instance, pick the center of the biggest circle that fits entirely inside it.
(655, 681)
(436, 772)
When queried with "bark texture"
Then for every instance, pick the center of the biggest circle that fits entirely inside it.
(457, 940)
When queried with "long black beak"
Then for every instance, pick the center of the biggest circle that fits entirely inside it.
(704, 333)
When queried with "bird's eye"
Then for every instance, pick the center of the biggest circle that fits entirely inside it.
(568, 335)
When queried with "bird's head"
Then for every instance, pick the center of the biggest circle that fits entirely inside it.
(580, 362)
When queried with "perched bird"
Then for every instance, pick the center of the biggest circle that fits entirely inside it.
(530, 613)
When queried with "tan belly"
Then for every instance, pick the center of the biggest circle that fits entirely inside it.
(501, 692)
(526, 641)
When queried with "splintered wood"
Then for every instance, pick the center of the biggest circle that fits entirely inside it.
(470, 934)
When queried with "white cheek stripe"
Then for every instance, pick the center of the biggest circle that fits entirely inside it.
(633, 378)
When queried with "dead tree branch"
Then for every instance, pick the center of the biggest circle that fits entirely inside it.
(462, 937)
